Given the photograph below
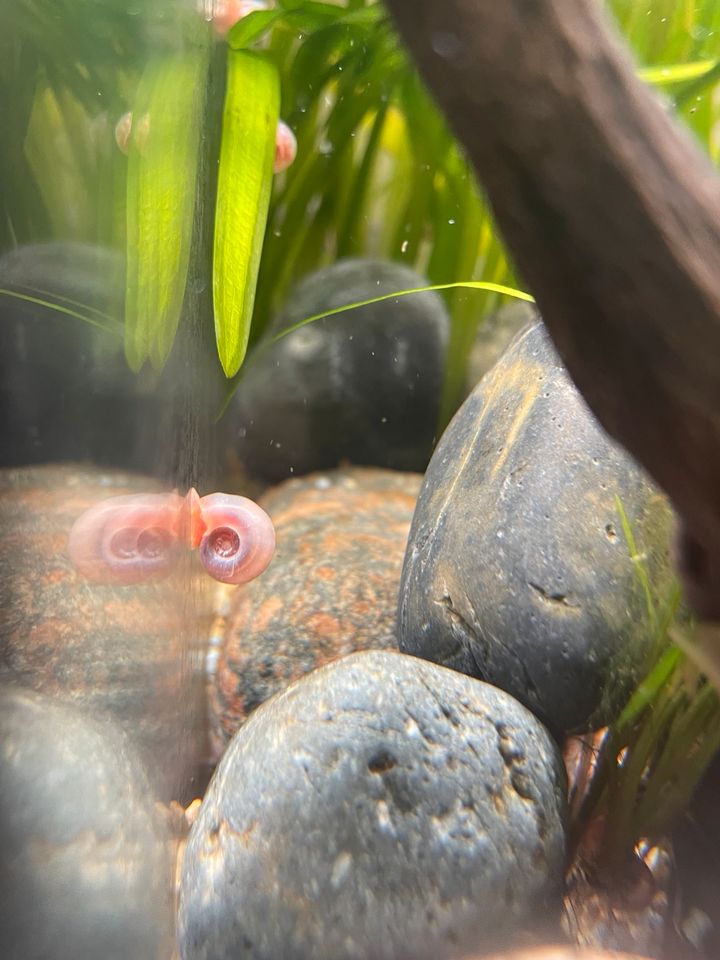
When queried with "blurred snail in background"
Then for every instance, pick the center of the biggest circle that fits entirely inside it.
(285, 147)
(285, 142)
(224, 14)
(123, 131)
(138, 539)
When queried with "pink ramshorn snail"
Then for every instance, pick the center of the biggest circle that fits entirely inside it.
(138, 538)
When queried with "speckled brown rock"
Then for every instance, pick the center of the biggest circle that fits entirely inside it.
(627, 908)
(85, 856)
(517, 569)
(131, 652)
(381, 807)
(331, 588)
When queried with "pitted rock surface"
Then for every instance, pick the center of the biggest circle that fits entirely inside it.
(331, 588)
(517, 569)
(382, 807)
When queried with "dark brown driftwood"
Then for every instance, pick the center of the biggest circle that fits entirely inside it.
(613, 217)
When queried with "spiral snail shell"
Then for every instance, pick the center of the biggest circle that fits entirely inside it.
(138, 538)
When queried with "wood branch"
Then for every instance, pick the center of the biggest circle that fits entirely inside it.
(613, 217)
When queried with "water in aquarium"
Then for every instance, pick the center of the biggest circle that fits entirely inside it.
(333, 625)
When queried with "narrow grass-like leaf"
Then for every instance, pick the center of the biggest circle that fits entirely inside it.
(252, 102)
(649, 688)
(161, 188)
(468, 284)
(663, 76)
(101, 320)
(638, 559)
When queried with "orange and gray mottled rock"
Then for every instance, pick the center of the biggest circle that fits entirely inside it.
(331, 588)
(123, 651)
(85, 858)
(383, 807)
(517, 568)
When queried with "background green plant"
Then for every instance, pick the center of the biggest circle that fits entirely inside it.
(642, 773)
(377, 172)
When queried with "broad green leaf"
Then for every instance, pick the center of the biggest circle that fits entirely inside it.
(161, 188)
(252, 27)
(252, 102)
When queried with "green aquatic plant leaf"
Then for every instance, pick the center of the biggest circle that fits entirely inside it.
(252, 102)
(665, 76)
(64, 306)
(252, 28)
(305, 16)
(693, 89)
(497, 288)
(161, 188)
(656, 751)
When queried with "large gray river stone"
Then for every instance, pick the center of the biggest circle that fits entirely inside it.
(380, 807)
(517, 569)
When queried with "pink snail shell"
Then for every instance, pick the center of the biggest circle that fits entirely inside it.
(285, 147)
(224, 14)
(285, 142)
(138, 539)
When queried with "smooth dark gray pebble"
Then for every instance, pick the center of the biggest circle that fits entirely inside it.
(517, 570)
(362, 385)
(66, 391)
(493, 337)
(379, 807)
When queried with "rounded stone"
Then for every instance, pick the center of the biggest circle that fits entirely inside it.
(129, 652)
(383, 807)
(66, 392)
(517, 569)
(85, 859)
(331, 588)
(362, 385)
(493, 337)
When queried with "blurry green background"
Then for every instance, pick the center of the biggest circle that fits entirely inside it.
(376, 173)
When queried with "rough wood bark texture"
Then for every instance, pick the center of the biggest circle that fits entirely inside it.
(612, 215)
